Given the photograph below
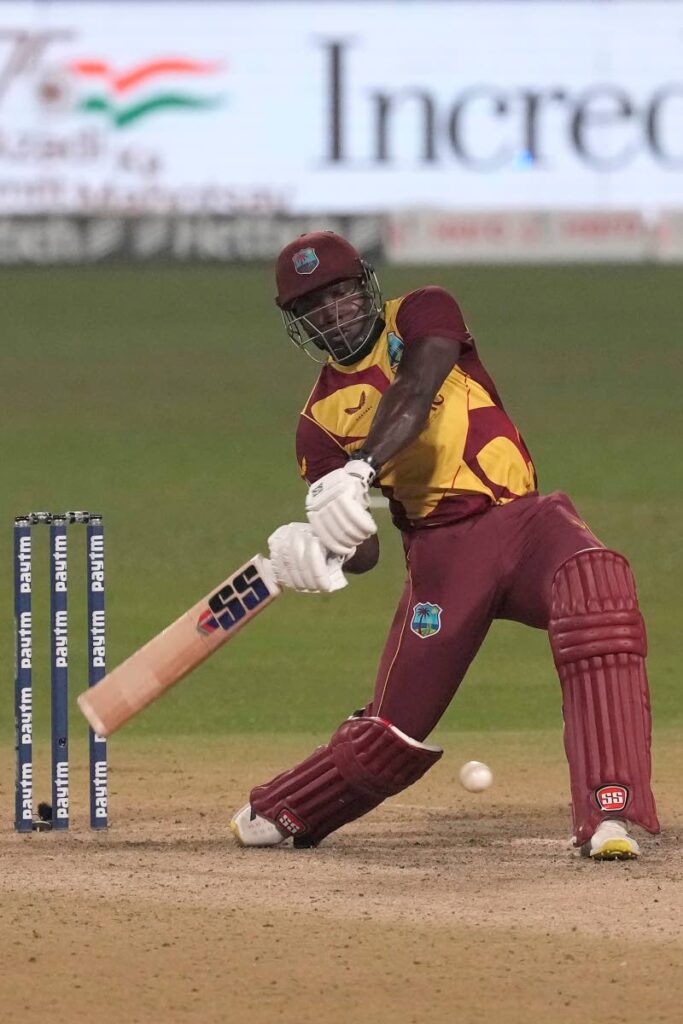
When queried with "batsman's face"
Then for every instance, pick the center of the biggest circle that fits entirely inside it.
(336, 316)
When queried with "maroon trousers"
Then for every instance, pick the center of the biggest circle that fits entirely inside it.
(503, 565)
(498, 565)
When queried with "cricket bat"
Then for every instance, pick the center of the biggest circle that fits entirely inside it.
(180, 647)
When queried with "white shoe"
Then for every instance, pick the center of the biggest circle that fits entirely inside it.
(251, 829)
(611, 841)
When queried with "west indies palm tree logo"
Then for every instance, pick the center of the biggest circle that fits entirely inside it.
(123, 96)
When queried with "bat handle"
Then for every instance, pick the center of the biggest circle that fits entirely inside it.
(266, 569)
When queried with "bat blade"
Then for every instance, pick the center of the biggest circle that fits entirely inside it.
(179, 648)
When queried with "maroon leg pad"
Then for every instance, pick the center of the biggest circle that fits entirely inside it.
(598, 641)
(366, 761)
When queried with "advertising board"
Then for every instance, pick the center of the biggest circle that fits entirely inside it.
(296, 108)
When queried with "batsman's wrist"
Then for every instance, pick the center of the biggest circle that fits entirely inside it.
(362, 456)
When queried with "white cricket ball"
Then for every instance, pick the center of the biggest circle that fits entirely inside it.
(476, 776)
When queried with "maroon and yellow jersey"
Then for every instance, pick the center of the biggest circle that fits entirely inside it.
(470, 454)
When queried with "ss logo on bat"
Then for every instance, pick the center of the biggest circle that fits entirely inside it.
(245, 592)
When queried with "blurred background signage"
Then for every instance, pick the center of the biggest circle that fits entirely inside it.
(243, 108)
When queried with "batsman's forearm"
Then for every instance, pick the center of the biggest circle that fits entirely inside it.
(400, 419)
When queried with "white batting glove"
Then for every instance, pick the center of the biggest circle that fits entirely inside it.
(337, 507)
(300, 562)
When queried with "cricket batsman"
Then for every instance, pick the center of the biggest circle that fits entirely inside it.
(404, 403)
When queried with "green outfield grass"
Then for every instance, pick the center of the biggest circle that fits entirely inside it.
(168, 400)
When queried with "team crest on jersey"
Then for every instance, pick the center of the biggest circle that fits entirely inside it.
(305, 261)
(426, 619)
(395, 349)
(612, 798)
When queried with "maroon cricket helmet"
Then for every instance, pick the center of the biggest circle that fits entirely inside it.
(312, 261)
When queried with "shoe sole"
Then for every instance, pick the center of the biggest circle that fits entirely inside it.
(615, 849)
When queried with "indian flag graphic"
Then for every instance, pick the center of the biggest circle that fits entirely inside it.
(126, 96)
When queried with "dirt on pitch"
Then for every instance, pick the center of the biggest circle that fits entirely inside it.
(441, 906)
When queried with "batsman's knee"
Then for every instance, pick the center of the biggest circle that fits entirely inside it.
(366, 760)
(594, 608)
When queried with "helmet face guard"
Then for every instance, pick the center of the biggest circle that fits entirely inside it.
(345, 340)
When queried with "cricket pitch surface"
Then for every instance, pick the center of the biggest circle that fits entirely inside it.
(441, 906)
